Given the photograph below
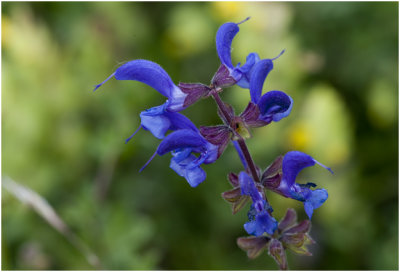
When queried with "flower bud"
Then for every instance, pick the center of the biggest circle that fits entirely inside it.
(277, 251)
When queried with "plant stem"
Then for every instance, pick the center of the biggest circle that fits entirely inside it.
(222, 108)
(242, 144)
(248, 159)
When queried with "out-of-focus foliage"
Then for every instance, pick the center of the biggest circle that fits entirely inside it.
(67, 143)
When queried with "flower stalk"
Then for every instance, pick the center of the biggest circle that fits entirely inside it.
(242, 144)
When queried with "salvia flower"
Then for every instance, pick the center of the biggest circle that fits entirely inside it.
(273, 105)
(240, 74)
(293, 162)
(155, 76)
(158, 120)
(182, 143)
(224, 38)
(259, 215)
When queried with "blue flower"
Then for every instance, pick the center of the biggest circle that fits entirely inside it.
(155, 76)
(182, 143)
(259, 215)
(224, 38)
(158, 120)
(293, 162)
(273, 105)
(259, 224)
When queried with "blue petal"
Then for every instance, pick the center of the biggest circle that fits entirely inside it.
(260, 71)
(147, 72)
(179, 121)
(156, 77)
(274, 106)
(224, 38)
(183, 138)
(247, 71)
(158, 121)
(155, 120)
(249, 188)
(211, 154)
(293, 162)
(266, 222)
(250, 227)
(315, 200)
(262, 223)
(181, 154)
(244, 73)
(194, 176)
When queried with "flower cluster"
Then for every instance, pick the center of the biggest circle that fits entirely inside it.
(190, 147)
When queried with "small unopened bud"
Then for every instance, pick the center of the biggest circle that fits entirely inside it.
(276, 250)
(233, 179)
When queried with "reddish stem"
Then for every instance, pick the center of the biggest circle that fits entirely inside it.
(242, 144)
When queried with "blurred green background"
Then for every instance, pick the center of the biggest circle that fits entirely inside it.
(67, 143)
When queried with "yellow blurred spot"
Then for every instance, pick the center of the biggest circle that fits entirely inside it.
(299, 136)
(382, 104)
(5, 30)
(226, 10)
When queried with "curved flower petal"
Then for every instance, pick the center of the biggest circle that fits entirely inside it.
(293, 162)
(315, 200)
(260, 71)
(183, 138)
(155, 76)
(224, 38)
(274, 106)
(149, 73)
(180, 121)
(187, 138)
